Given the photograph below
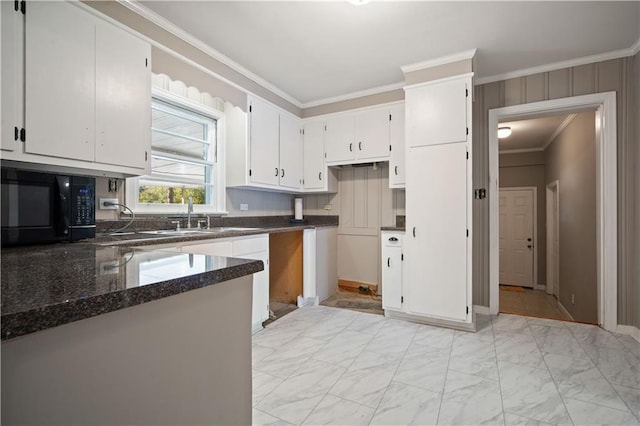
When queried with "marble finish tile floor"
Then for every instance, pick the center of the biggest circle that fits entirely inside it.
(322, 365)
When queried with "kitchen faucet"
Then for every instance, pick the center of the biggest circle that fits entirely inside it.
(189, 211)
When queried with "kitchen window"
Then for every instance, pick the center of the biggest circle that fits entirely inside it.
(186, 159)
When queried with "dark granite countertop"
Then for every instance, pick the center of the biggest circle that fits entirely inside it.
(50, 285)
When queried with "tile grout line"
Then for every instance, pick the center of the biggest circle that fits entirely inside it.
(446, 375)
(551, 375)
(493, 332)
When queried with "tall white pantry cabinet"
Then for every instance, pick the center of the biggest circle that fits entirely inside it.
(437, 246)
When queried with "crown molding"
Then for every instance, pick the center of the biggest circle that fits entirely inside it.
(354, 95)
(559, 130)
(622, 53)
(166, 25)
(460, 56)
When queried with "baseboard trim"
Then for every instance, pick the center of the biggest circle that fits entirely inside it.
(630, 330)
(482, 310)
(464, 326)
(541, 287)
(564, 311)
(357, 284)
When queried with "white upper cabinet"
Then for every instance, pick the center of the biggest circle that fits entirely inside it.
(314, 164)
(264, 143)
(87, 92)
(290, 152)
(358, 137)
(123, 91)
(60, 81)
(397, 167)
(12, 51)
(372, 134)
(437, 113)
(270, 156)
(340, 138)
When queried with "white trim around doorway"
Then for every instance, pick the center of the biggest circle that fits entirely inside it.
(606, 193)
(552, 221)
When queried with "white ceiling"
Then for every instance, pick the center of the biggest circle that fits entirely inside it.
(318, 50)
(531, 134)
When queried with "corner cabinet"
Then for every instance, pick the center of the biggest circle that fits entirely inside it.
(267, 154)
(392, 270)
(437, 246)
(87, 92)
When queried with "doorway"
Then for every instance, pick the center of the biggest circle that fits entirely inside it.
(606, 193)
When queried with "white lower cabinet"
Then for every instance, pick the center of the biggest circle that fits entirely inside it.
(392, 268)
(254, 247)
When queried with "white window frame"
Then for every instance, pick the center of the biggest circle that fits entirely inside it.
(219, 188)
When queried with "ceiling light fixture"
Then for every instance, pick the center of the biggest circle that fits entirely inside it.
(504, 132)
(358, 2)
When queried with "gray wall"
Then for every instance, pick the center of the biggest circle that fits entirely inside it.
(527, 169)
(636, 218)
(613, 75)
(571, 160)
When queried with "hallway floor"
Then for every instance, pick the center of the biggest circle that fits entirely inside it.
(525, 301)
(322, 365)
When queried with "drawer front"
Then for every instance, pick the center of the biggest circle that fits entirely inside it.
(392, 239)
(251, 244)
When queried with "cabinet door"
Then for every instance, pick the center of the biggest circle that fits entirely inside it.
(264, 142)
(435, 246)
(123, 97)
(290, 152)
(59, 81)
(437, 113)
(391, 276)
(314, 165)
(12, 52)
(339, 139)
(397, 159)
(372, 134)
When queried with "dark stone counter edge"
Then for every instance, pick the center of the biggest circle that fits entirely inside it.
(22, 323)
(392, 228)
(149, 239)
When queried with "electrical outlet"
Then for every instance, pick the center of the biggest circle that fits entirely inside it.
(573, 299)
(244, 207)
(107, 200)
(328, 206)
(109, 267)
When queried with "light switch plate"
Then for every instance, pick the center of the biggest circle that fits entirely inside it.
(328, 206)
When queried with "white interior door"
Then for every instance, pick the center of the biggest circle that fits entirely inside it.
(516, 237)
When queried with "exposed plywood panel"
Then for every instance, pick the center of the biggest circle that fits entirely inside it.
(285, 266)
(583, 79)
(536, 87)
(559, 82)
(514, 90)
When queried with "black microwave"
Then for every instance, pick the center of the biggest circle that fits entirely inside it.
(45, 208)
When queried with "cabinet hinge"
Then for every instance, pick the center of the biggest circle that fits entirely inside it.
(146, 155)
(389, 117)
(466, 93)
(401, 299)
(467, 155)
(325, 155)
(23, 135)
(250, 108)
(23, 7)
(325, 127)
(467, 232)
(467, 310)
(389, 148)
(467, 130)
(249, 172)
(402, 256)
(146, 62)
